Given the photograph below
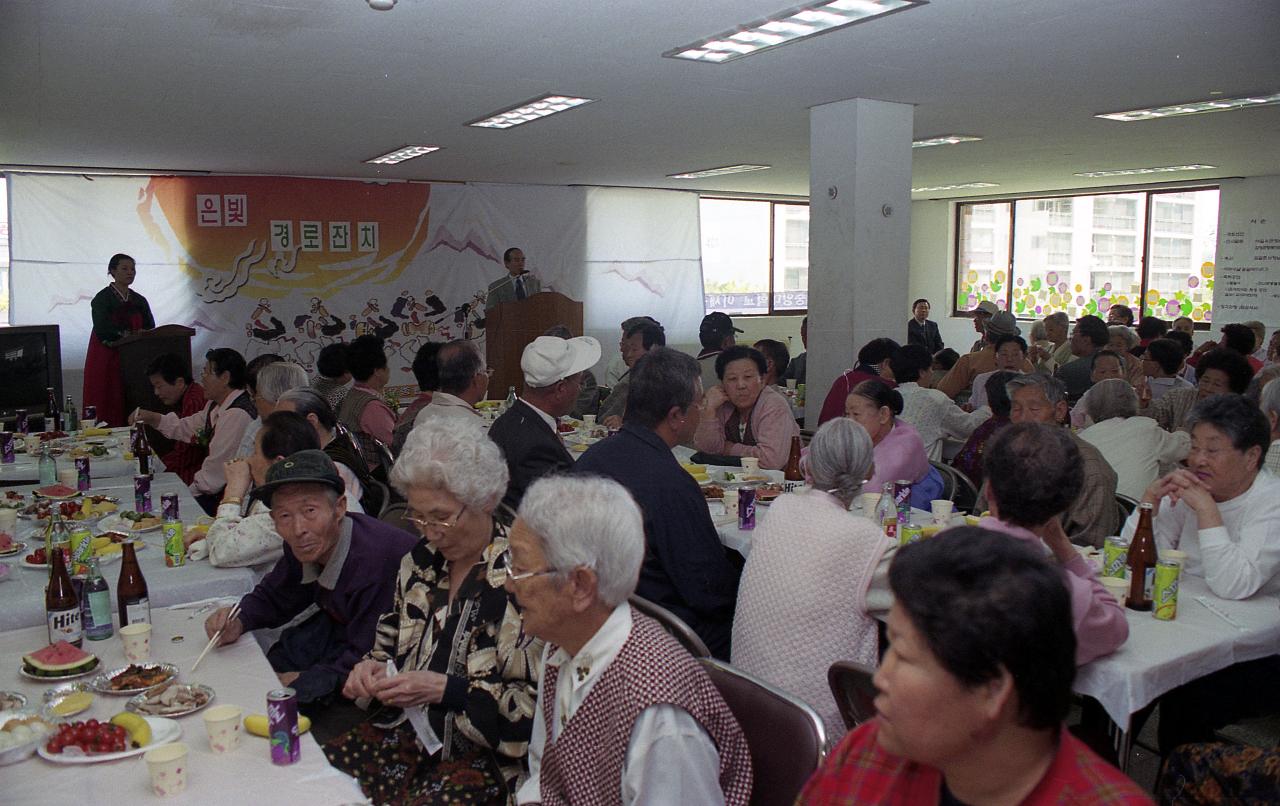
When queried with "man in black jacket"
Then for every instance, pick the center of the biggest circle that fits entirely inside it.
(527, 432)
(921, 329)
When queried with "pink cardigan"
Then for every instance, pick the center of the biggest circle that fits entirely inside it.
(1098, 618)
(900, 455)
(771, 424)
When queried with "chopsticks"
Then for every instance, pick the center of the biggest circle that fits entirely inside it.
(235, 611)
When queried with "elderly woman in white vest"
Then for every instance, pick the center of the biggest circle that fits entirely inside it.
(625, 715)
(1137, 448)
(816, 576)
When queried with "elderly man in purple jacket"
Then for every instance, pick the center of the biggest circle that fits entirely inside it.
(344, 563)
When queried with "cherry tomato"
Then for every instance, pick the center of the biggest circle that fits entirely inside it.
(93, 723)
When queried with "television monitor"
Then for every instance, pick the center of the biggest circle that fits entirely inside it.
(30, 362)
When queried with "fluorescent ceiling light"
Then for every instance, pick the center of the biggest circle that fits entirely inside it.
(721, 171)
(787, 26)
(530, 111)
(401, 154)
(1193, 108)
(1137, 171)
(964, 186)
(944, 140)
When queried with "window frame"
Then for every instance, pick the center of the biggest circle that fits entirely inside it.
(773, 248)
(1144, 262)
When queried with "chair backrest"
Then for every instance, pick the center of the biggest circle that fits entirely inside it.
(1126, 504)
(396, 515)
(383, 496)
(966, 492)
(948, 480)
(784, 735)
(672, 624)
(853, 691)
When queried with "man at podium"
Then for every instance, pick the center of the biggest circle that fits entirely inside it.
(517, 285)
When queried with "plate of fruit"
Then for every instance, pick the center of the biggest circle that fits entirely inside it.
(132, 522)
(10, 547)
(90, 741)
(88, 508)
(59, 661)
(13, 500)
(20, 734)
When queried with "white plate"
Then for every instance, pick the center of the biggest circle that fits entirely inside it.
(20, 752)
(136, 702)
(115, 523)
(163, 731)
(102, 683)
(17, 548)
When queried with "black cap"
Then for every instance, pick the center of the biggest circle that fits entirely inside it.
(304, 467)
(718, 322)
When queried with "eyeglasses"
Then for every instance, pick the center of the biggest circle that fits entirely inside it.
(439, 526)
(521, 575)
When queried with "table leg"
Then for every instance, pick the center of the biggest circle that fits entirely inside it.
(1122, 739)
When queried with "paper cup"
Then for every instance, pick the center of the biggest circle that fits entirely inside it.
(167, 765)
(869, 502)
(222, 722)
(589, 419)
(137, 642)
(69, 476)
(1174, 556)
(731, 502)
(9, 522)
(1118, 588)
(85, 425)
(750, 464)
(791, 384)
(942, 509)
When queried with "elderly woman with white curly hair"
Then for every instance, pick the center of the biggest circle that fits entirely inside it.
(816, 577)
(450, 661)
(1137, 448)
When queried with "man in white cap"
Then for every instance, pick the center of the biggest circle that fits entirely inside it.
(527, 432)
(961, 376)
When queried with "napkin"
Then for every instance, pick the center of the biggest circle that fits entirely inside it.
(418, 719)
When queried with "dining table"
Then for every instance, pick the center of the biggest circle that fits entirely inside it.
(22, 592)
(115, 463)
(239, 675)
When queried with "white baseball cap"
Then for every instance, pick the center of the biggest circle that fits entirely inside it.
(548, 359)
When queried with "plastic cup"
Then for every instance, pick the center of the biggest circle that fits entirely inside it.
(69, 476)
(1174, 556)
(750, 464)
(869, 502)
(137, 642)
(222, 722)
(942, 509)
(1118, 588)
(167, 765)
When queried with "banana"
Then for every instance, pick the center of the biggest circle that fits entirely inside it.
(139, 730)
(100, 542)
(257, 724)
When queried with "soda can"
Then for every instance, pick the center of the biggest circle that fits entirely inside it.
(909, 533)
(175, 553)
(90, 413)
(282, 726)
(83, 479)
(169, 506)
(20, 421)
(81, 551)
(902, 500)
(7, 454)
(746, 508)
(142, 493)
(1115, 556)
(1164, 592)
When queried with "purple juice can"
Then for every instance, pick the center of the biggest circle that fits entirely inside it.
(20, 421)
(142, 493)
(746, 508)
(7, 455)
(90, 413)
(902, 500)
(282, 726)
(169, 506)
(83, 479)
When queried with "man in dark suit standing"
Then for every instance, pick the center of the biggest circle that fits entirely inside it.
(517, 285)
(921, 329)
(527, 432)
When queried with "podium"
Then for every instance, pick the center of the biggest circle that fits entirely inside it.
(139, 350)
(510, 326)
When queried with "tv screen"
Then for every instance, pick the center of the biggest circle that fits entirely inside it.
(30, 362)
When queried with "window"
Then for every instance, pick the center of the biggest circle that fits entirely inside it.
(1083, 254)
(4, 251)
(755, 256)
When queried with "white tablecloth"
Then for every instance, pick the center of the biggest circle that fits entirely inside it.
(239, 674)
(1162, 655)
(26, 469)
(22, 595)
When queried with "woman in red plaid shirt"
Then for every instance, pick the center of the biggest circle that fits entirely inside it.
(973, 688)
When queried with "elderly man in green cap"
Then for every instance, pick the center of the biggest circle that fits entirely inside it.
(344, 563)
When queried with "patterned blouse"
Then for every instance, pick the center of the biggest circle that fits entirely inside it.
(477, 641)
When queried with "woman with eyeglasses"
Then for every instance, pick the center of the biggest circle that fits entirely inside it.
(816, 577)
(464, 675)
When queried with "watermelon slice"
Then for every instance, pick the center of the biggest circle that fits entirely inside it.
(59, 657)
(57, 491)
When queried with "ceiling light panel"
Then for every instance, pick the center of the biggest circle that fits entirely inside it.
(944, 140)
(964, 186)
(787, 26)
(721, 171)
(401, 154)
(530, 111)
(1139, 171)
(1193, 108)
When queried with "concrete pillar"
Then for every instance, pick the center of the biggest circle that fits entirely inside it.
(859, 235)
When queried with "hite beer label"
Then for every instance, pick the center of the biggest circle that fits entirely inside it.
(64, 625)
